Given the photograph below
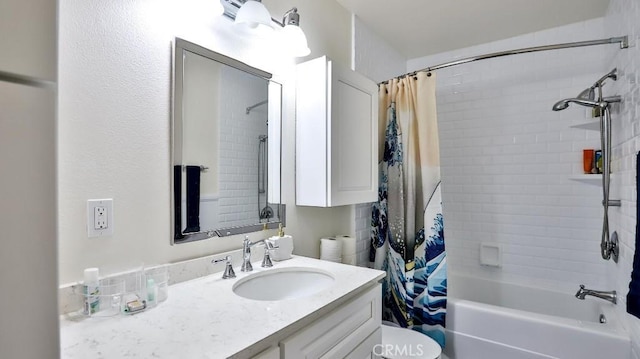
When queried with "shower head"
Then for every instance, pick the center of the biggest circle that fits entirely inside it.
(563, 104)
(588, 94)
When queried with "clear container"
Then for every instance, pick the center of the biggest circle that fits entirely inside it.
(110, 297)
(158, 277)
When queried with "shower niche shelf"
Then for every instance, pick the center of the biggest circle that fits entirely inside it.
(588, 125)
(594, 179)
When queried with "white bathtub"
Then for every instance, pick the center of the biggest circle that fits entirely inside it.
(489, 319)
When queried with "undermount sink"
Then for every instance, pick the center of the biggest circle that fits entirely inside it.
(284, 283)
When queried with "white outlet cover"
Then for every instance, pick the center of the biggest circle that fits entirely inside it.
(107, 204)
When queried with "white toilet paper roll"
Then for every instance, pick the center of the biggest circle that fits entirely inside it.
(348, 249)
(331, 249)
(348, 245)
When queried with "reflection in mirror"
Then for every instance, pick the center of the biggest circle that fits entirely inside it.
(226, 146)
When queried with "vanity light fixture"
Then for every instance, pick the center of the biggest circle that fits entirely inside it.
(293, 36)
(254, 16)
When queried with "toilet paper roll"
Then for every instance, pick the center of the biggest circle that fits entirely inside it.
(348, 249)
(331, 249)
(348, 245)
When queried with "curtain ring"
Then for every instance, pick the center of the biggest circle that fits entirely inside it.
(429, 74)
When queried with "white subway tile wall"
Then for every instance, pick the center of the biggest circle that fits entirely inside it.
(623, 18)
(238, 204)
(507, 159)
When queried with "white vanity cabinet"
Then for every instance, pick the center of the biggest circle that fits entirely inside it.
(336, 135)
(350, 331)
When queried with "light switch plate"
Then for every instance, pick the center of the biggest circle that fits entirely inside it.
(99, 217)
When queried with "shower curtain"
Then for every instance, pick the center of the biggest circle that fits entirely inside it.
(407, 238)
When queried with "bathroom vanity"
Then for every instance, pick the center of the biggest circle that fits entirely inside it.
(205, 318)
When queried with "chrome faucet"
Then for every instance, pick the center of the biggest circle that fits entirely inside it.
(228, 270)
(246, 253)
(611, 296)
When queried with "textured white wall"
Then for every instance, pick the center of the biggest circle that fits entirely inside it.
(379, 61)
(507, 160)
(373, 56)
(114, 103)
(622, 19)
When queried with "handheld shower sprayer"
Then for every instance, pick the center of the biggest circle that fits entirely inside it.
(563, 104)
(608, 246)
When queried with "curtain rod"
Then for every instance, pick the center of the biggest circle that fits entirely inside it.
(622, 40)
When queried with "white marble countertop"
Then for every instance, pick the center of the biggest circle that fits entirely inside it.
(203, 318)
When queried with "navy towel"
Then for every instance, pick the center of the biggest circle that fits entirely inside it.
(193, 199)
(633, 298)
(177, 202)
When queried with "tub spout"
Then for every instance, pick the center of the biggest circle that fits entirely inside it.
(608, 296)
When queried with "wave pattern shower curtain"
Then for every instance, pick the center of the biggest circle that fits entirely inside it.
(407, 239)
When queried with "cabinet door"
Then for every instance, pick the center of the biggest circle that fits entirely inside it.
(365, 350)
(271, 353)
(354, 138)
(340, 332)
(28, 222)
(336, 135)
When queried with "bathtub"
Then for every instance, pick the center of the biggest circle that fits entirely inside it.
(490, 319)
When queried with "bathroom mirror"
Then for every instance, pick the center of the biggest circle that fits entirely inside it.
(225, 146)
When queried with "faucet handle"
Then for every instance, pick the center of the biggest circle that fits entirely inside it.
(228, 270)
(268, 246)
(266, 261)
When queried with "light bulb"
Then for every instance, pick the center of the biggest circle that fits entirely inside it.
(294, 41)
(253, 15)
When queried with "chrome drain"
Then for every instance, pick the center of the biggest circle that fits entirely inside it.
(603, 319)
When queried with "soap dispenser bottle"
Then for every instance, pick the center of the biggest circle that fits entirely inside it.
(284, 244)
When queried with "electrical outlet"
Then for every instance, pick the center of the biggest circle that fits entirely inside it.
(100, 220)
(99, 217)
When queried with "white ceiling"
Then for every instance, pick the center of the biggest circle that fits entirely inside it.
(419, 28)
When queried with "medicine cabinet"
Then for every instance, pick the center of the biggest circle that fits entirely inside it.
(336, 135)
